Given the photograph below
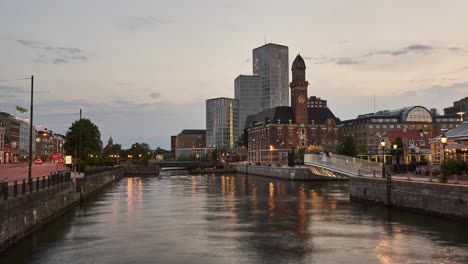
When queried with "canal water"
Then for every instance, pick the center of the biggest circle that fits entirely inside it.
(238, 218)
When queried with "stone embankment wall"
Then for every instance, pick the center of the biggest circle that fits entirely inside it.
(287, 173)
(93, 184)
(436, 198)
(22, 215)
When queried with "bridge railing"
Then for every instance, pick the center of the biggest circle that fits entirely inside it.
(342, 163)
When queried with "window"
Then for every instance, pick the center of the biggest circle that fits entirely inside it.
(371, 126)
(377, 126)
(280, 131)
(422, 143)
(411, 142)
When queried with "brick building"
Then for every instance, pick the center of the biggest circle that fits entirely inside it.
(275, 131)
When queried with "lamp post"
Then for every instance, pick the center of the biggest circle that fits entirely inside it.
(382, 144)
(395, 146)
(443, 140)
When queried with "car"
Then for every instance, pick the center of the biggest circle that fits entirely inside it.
(60, 160)
(38, 161)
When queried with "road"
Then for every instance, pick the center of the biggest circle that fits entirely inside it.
(19, 171)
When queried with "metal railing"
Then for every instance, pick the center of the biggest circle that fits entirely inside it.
(344, 164)
(13, 189)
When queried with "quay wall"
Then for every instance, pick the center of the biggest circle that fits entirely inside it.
(22, 215)
(286, 173)
(435, 198)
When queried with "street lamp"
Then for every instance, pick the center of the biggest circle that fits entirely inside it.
(382, 144)
(443, 140)
(395, 146)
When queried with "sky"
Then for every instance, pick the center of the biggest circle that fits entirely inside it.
(142, 70)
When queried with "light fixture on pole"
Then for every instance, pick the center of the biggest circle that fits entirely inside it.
(443, 140)
(382, 144)
(395, 146)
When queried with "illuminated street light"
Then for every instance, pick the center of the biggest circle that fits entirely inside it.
(382, 144)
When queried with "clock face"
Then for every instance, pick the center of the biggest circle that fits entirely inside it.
(301, 99)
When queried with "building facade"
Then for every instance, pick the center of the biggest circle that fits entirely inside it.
(247, 91)
(459, 108)
(187, 141)
(368, 129)
(271, 63)
(12, 137)
(316, 102)
(58, 152)
(222, 122)
(45, 145)
(24, 141)
(2, 143)
(274, 132)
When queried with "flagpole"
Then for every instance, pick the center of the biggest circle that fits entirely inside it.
(31, 131)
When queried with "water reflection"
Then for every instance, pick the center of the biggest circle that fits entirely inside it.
(239, 219)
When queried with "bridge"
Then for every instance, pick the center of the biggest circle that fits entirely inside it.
(341, 166)
(187, 164)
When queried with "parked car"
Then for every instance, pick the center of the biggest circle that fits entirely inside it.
(38, 161)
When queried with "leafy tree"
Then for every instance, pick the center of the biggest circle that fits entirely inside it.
(243, 139)
(90, 138)
(348, 147)
(450, 167)
(214, 154)
(314, 149)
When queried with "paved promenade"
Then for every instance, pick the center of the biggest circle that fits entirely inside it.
(462, 179)
(19, 171)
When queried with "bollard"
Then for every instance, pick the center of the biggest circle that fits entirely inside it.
(37, 184)
(430, 176)
(43, 182)
(23, 187)
(408, 176)
(15, 188)
(48, 181)
(30, 183)
(373, 173)
(4, 188)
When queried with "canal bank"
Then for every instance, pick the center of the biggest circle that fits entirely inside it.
(22, 215)
(447, 200)
(285, 173)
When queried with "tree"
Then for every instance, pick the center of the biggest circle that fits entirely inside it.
(348, 147)
(90, 138)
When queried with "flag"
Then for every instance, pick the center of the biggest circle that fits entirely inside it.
(21, 109)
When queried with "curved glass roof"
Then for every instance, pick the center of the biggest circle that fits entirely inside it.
(416, 114)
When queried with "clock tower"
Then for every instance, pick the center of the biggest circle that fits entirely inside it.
(299, 91)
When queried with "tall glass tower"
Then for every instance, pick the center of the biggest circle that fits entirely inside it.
(271, 63)
(222, 122)
(247, 91)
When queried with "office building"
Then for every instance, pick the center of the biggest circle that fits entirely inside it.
(222, 122)
(271, 63)
(368, 129)
(247, 91)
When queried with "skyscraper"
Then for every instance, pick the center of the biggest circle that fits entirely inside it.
(247, 91)
(222, 122)
(271, 63)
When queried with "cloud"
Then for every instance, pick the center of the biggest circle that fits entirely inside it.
(54, 54)
(438, 91)
(142, 23)
(343, 61)
(155, 95)
(5, 89)
(346, 61)
(413, 49)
